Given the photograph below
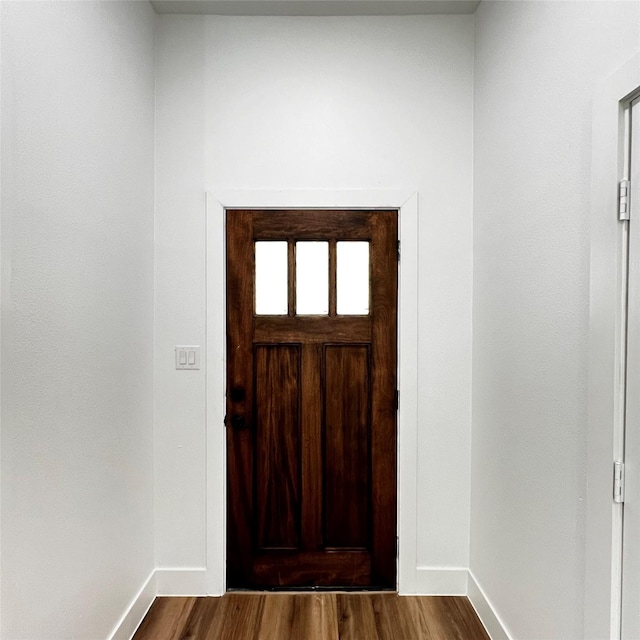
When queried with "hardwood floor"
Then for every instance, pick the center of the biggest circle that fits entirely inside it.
(312, 616)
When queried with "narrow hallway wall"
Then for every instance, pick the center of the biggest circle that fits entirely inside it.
(77, 315)
(537, 66)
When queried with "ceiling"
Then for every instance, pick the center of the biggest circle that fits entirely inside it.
(315, 7)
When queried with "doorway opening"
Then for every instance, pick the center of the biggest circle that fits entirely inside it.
(610, 324)
(627, 487)
(405, 203)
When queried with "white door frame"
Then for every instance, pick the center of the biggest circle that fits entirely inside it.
(630, 609)
(606, 356)
(217, 201)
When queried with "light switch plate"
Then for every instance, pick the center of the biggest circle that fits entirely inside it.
(188, 356)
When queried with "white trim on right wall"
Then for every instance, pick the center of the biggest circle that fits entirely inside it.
(487, 614)
(603, 518)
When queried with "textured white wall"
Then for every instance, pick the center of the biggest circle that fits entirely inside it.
(536, 69)
(291, 103)
(316, 103)
(77, 315)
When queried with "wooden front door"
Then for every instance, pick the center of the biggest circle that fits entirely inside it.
(311, 398)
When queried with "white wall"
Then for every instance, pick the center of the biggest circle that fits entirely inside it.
(316, 103)
(536, 69)
(77, 315)
(291, 103)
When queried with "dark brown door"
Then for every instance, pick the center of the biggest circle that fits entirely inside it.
(311, 402)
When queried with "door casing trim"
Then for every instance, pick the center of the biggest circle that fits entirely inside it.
(217, 201)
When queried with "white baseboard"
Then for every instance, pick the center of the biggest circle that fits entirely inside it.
(440, 581)
(136, 610)
(487, 614)
(161, 582)
(187, 581)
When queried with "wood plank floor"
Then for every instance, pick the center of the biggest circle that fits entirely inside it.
(312, 616)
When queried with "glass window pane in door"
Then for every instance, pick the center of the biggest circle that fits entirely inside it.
(352, 275)
(271, 278)
(312, 278)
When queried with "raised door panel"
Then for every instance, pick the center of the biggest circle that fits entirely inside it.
(347, 456)
(277, 456)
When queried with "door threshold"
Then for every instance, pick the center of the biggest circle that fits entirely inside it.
(307, 590)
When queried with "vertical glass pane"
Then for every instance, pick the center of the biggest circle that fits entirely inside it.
(312, 278)
(271, 278)
(352, 275)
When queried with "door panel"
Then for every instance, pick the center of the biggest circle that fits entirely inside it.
(277, 373)
(631, 517)
(347, 457)
(313, 568)
(311, 415)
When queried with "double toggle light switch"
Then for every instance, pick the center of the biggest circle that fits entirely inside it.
(188, 357)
